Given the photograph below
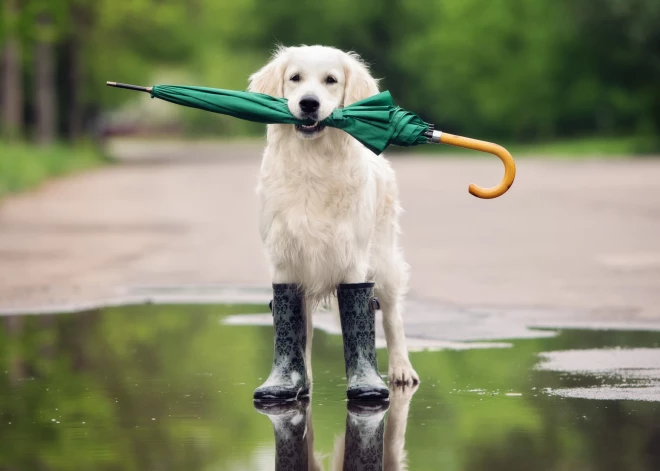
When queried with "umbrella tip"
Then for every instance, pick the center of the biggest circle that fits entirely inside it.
(129, 87)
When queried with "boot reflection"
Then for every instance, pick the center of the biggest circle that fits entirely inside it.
(363, 442)
(364, 445)
(370, 441)
(291, 439)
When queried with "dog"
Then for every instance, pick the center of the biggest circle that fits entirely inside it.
(329, 206)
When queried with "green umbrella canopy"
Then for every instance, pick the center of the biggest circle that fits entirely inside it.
(375, 121)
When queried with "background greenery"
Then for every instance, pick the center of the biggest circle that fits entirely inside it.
(24, 166)
(515, 71)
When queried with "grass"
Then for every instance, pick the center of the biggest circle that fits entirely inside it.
(24, 166)
(586, 147)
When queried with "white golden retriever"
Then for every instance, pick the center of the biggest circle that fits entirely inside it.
(329, 206)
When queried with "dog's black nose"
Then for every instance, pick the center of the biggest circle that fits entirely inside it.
(309, 104)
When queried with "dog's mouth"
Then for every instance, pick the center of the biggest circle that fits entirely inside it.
(310, 129)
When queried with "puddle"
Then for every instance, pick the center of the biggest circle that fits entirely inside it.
(623, 373)
(170, 387)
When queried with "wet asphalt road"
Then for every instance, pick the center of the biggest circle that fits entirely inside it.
(569, 236)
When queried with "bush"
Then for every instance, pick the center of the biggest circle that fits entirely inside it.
(24, 166)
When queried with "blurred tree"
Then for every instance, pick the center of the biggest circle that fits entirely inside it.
(505, 69)
(45, 105)
(81, 16)
(489, 68)
(10, 66)
(524, 70)
(616, 62)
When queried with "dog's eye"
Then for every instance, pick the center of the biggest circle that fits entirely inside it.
(295, 78)
(330, 79)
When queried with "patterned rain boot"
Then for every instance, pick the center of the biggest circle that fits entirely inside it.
(288, 377)
(363, 445)
(357, 310)
(290, 426)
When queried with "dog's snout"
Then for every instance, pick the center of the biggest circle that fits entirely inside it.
(309, 104)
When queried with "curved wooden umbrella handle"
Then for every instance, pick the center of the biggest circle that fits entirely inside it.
(483, 146)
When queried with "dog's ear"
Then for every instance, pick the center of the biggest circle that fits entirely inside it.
(359, 82)
(270, 78)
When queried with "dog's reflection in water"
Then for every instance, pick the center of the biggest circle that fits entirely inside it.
(370, 442)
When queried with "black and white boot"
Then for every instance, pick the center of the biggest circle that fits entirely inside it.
(288, 376)
(357, 310)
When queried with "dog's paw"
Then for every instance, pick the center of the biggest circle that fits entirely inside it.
(401, 372)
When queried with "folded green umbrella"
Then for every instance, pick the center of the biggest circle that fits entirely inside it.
(375, 121)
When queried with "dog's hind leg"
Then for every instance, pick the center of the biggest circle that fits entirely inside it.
(390, 273)
(400, 370)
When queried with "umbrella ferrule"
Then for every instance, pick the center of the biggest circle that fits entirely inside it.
(433, 136)
(129, 86)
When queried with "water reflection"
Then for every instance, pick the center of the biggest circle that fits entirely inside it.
(367, 444)
(170, 387)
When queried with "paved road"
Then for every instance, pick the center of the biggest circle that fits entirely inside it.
(569, 235)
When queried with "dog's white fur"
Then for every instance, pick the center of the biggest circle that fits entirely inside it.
(329, 206)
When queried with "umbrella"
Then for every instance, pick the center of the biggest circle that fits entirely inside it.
(375, 121)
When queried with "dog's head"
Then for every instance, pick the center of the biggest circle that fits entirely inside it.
(315, 80)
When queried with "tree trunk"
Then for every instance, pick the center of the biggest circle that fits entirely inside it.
(82, 15)
(11, 80)
(44, 83)
(74, 85)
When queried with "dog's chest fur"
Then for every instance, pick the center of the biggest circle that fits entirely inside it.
(317, 216)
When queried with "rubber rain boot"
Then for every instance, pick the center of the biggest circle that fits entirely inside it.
(357, 310)
(288, 377)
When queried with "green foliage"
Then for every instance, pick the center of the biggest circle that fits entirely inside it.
(507, 69)
(510, 70)
(24, 166)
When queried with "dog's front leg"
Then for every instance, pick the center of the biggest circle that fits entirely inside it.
(288, 379)
(284, 274)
